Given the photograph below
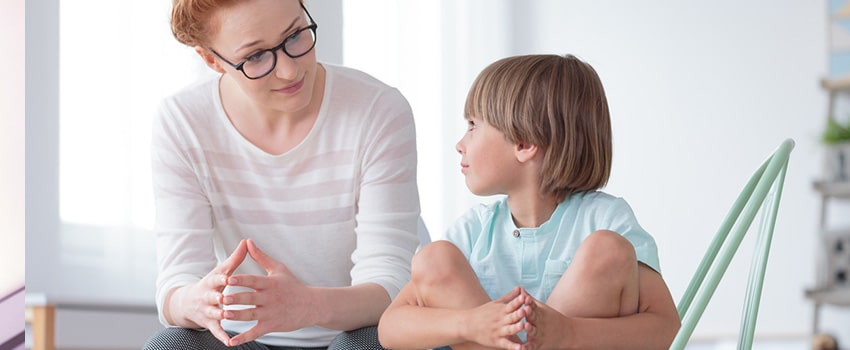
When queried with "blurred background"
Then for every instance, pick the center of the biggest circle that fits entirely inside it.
(12, 176)
(700, 94)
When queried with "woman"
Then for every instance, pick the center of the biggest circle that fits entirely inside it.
(307, 168)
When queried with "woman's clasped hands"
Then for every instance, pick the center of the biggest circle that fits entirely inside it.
(277, 293)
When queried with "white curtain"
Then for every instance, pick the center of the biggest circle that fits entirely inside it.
(12, 147)
(113, 71)
(431, 51)
(89, 200)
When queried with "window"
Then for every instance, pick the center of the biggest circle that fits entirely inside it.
(113, 71)
(89, 189)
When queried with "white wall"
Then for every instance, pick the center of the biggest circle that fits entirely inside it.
(700, 94)
(12, 146)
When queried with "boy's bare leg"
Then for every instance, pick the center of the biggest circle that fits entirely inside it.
(442, 277)
(602, 280)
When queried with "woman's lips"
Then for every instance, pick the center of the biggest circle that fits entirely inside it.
(291, 89)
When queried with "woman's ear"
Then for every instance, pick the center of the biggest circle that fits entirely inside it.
(525, 152)
(209, 59)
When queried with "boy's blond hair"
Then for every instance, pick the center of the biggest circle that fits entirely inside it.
(556, 103)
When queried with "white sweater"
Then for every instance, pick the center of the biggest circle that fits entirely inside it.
(339, 209)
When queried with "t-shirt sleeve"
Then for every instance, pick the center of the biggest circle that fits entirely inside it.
(464, 231)
(621, 219)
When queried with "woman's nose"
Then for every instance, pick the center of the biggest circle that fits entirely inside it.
(287, 67)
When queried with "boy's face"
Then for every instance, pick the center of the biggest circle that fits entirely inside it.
(487, 159)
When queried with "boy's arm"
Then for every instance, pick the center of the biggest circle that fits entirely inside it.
(407, 325)
(653, 327)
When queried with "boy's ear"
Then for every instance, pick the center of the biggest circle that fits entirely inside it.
(525, 152)
(209, 59)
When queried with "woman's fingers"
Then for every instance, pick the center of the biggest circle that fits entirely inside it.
(250, 314)
(257, 283)
(234, 260)
(247, 336)
(217, 278)
(218, 332)
(242, 298)
(266, 262)
(213, 313)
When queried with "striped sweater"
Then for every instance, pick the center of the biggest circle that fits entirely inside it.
(339, 209)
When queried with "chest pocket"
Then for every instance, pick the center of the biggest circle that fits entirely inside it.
(551, 276)
(489, 280)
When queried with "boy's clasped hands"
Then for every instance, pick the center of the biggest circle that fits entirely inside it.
(500, 322)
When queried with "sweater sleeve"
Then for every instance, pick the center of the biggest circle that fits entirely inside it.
(388, 198)
(183, 224)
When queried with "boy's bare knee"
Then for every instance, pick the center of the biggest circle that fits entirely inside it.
(604, 248)
(435, 262)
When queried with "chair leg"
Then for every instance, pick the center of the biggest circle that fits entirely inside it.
(816, 319)
(42, 319)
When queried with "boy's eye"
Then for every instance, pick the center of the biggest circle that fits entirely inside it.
(470, 124)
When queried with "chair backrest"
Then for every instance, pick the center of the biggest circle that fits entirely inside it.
(762, 193)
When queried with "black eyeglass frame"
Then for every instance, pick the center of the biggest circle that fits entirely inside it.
(240, 66)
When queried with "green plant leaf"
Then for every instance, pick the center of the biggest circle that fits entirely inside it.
(835, 132)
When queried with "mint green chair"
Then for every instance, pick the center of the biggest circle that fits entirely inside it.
(762, 193)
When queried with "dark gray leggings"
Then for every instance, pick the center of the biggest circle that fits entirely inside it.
(189, 339)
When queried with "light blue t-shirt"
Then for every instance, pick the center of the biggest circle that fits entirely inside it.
(535, 258)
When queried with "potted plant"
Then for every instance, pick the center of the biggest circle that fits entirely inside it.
(836, 137)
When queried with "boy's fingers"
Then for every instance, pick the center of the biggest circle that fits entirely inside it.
(510, 295)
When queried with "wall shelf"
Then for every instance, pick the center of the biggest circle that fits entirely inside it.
(833, 270)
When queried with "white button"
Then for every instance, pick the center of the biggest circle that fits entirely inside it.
(516, 233)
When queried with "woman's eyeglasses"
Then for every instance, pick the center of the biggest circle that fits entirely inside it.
(262, 63)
